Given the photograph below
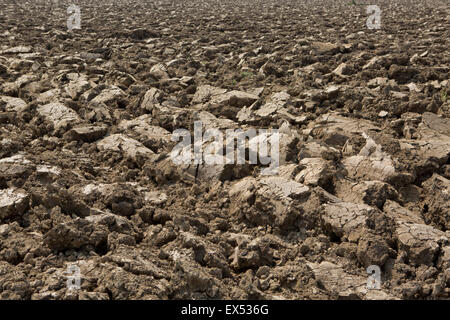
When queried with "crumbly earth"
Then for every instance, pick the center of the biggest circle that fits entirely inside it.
(86, 120)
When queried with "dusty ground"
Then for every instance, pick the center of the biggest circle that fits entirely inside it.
(85, 124)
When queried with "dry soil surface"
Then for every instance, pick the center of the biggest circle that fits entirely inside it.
(86, 120)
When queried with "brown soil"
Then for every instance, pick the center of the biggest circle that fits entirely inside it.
(86, 118)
